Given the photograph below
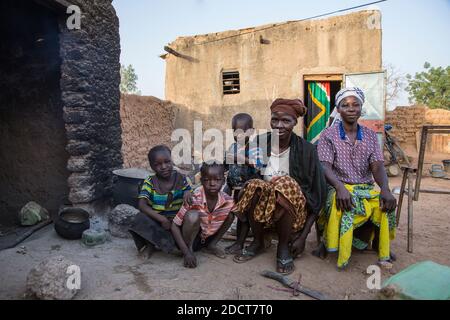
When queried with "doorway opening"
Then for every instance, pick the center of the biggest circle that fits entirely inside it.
(33, 158)
(320, 92)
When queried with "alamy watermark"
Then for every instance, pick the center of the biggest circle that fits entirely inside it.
(374, 280)
(74, 279)
(205, 146)
(74, 20)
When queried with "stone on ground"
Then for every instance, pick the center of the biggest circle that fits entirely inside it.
(52, 279)
(120, 220)
(32, 213)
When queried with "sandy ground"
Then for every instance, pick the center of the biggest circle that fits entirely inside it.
(113, 270)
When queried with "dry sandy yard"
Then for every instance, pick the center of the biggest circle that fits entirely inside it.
(113, 271)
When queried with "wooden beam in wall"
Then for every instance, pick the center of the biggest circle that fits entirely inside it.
(323, 77)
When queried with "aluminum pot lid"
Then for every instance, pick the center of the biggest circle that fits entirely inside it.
(135, 173)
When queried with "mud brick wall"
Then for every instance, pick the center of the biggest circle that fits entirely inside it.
(408, 121)
(438, 142)
(146, 122)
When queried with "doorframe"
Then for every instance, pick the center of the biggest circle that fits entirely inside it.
(323, 77)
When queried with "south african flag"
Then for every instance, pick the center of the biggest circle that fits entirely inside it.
(318, 109)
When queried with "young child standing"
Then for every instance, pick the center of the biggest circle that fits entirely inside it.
(161, 197)
(204, 222)
(243, 164)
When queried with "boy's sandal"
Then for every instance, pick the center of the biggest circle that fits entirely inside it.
(244, 256)
(283, 263)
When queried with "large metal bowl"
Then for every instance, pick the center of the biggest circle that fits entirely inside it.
(127, 184)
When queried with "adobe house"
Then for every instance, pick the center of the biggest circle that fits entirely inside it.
(216, 75)
(60, 134)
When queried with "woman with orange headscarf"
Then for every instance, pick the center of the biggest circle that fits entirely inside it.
(292, 193)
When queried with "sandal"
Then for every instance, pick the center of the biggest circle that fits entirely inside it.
(386, 265)
(244, 256)
(282, 263)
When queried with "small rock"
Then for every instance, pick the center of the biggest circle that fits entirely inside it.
(389, 291)
(32, 213)
(93, 237)
(48, 280)
(120, 220)
(22, 250)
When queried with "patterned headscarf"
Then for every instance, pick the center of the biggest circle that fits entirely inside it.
(293, 107)
(350, 92)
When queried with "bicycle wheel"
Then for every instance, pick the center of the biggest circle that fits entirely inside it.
(400, 154)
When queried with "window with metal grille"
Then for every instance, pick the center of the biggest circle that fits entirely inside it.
(231, 83)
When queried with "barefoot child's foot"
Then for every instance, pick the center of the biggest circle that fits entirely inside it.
(215, 250)
(235, 248)
(146, 251)
(320, 252)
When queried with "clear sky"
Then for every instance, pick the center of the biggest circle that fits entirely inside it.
(414, 31)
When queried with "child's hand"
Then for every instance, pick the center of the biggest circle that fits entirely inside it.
(190, 261)
(166, 224)
(187, 197)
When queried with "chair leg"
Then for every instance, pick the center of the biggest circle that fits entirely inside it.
(402, 192)
(410, 214)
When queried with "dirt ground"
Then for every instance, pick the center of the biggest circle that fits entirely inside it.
(113, 270)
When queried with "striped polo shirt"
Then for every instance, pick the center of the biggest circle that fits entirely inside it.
(161, 202)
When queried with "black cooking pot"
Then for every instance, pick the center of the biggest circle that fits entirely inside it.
(72, 222)
(127, 185)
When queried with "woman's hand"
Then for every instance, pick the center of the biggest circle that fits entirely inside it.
(190, 261)
(298, 247)
(187, 197)
(387, 201)
(344, 201)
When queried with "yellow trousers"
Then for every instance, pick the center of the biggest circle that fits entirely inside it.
(338, 226)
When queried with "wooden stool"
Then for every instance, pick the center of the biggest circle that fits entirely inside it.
(408, 171)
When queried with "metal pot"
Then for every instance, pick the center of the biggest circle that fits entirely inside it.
(127, 185)
(437, 171)
(446, 165)
(72, 222)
